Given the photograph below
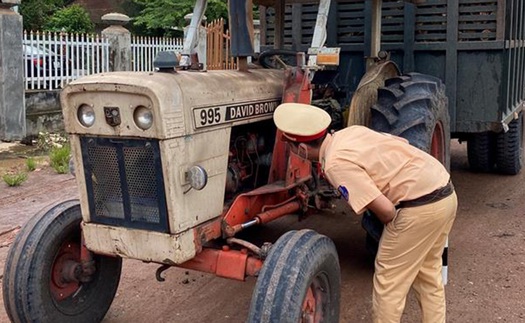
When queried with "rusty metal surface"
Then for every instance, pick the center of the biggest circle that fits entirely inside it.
(227, 263)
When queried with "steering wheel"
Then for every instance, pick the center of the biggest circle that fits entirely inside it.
(278, 58)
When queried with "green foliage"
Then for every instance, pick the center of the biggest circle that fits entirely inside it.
(72, 19)
(168, 15)
(31, 164)
(15, 179)
(59, 158)
(36, 12)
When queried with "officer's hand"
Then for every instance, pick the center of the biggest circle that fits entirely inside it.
(383, 209)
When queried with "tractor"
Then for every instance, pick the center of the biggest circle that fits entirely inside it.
(173, 165)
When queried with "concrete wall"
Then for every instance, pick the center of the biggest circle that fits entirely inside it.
(43, 112)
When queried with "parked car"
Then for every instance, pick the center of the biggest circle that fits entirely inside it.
(41, 62)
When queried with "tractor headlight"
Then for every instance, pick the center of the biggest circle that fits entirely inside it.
(86, 115)
(143, 117)
(197, 177)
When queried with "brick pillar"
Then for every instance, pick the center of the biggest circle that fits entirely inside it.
(119, 39)
(12, 105)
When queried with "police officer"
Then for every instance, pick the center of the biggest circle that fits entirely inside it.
(408, 190)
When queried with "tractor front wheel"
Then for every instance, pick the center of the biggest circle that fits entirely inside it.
(299, 282)
(44, 279)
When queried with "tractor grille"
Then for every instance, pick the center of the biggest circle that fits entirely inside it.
(124, 183)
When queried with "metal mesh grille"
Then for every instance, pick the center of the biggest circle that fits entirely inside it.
(106, 182)
(142, 184)
(124, 183)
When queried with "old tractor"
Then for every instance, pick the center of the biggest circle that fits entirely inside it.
(173, 165)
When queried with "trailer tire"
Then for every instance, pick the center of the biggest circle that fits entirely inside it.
(300, 279)
(414, 106)
(34, 287)
(481, 152)
(509, 148)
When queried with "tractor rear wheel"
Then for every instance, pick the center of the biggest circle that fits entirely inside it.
(509, 148)
(44, 280)
(481, 151)
(414, 106)
(299, 282)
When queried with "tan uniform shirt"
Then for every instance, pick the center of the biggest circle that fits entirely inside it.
(363, 164)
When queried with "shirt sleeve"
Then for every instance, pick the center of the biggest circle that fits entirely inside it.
(354, 180)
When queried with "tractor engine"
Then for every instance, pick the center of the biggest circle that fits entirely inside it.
(249, 159)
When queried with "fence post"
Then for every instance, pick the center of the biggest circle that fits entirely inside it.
(12, 102)
(119, 39)
(201, 45)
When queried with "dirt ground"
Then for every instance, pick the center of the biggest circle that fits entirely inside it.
(486, 256)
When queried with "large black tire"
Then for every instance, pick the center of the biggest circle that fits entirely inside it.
(31, 288)
(414, 106)
(300, 280)
(509, 148)
(481, 152)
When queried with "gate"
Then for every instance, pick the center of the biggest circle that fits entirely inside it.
(218, 47)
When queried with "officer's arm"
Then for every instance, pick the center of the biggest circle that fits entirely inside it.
(383, 208)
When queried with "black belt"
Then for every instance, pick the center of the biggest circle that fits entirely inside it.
(432, 197)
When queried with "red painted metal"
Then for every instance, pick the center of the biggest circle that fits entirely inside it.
(226, 263)
(279, 157)
(299, 169)
(297, 88)
(278, 212)
(231, 264)
(313, 303)
(206, 232)
(309, 306)
(63, 284)
(247, 206)
(437, 148)
(85, 255)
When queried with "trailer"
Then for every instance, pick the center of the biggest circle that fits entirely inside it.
(475, 46)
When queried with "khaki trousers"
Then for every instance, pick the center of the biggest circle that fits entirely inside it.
(409, 255)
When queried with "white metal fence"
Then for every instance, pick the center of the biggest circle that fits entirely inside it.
(144, 50)
(51, 60)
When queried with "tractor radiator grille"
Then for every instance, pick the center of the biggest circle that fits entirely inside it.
(124, 183)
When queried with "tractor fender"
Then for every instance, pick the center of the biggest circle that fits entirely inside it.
(365, 96)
